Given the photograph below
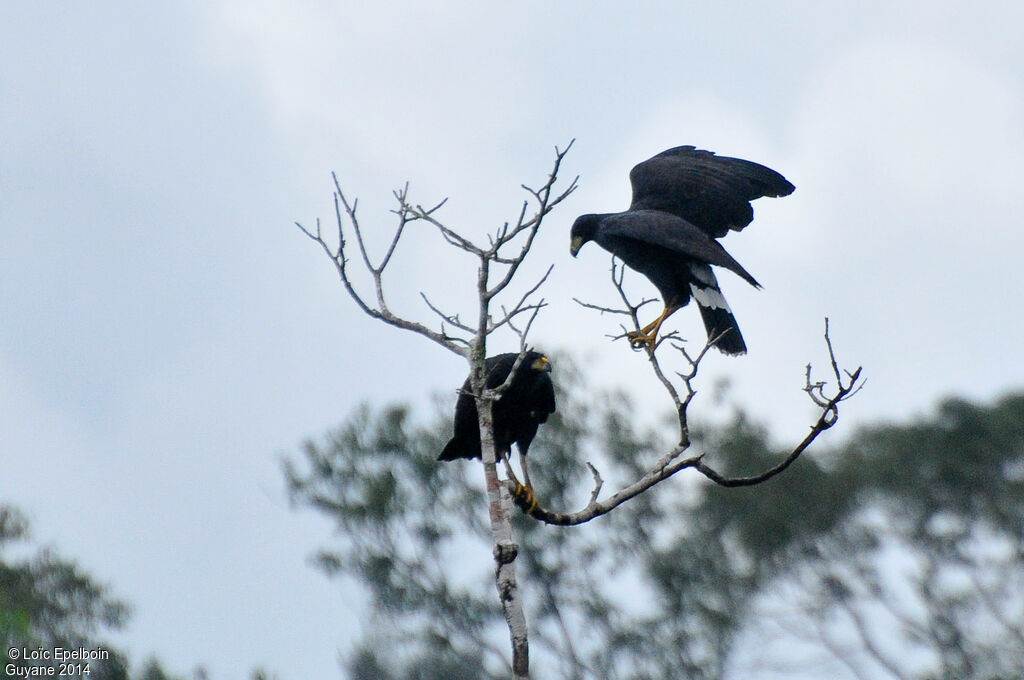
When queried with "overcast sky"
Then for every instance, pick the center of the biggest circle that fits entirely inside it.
(168, 334)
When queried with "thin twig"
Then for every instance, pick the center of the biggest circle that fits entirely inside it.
(599, 308)
(450, 319)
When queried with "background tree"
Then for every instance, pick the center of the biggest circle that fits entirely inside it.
(694, 580)
(48, 601)
(922, 576)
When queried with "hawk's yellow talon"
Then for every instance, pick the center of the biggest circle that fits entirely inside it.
(525, 498)
(638, 339)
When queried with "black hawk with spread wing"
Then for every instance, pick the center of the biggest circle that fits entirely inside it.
(518, 412)
(684, 199)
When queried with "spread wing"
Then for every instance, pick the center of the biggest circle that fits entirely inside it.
(711, 192)
(660, 229)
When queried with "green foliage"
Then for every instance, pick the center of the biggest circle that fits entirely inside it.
(152, 670)
(677, 581)
(943, 498)
(47, 601)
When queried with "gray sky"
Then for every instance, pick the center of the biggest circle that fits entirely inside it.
(168, 333)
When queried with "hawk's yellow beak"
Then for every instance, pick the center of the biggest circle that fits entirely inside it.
(575, 244)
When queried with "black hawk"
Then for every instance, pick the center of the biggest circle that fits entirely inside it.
(683, 200)
(518, 412)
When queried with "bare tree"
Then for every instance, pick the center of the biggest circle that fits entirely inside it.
(498, 263)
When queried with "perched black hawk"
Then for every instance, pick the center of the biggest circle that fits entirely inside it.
(683, 200)
(528, 401)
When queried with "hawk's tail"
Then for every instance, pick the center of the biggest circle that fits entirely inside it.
(457, 448)
(717, 316)
(721, 322)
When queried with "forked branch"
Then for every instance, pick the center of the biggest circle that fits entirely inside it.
(339, 256)
(827, 399)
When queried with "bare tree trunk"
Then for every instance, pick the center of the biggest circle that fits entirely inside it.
(499, 502)
(500, 508)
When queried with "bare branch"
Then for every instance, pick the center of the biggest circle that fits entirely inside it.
(403, 216)
(380, 310)
(450, 319)
(598, 508)
(521, 306)
(598, 483)
(351, 211)
(673, 461)
(317, 237)
(599, 308)
(545, 204)
(340, 263)
(529, 323)
(544, 201)
(617, 280)
(534, 289)
(450, 236)
(829, 416)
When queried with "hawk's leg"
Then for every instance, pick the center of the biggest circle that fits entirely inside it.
(523, 493)
(508, 468)
(649, 333)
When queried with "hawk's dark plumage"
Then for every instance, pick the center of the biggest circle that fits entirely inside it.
(527, 403)
(683, 200)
